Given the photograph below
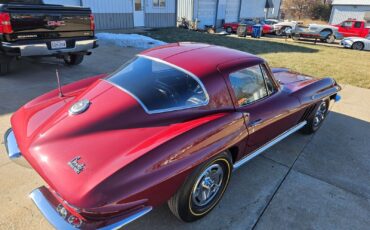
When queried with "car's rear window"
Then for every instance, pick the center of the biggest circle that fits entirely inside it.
(159, 86)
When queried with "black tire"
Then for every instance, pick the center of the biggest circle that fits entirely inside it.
(74, 59)
(358, 46)
(4, 68)
(320, 113)
(184, 204)
(279, 32)
(295, 37)
(229, 29)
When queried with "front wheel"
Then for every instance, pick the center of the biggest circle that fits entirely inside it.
(202, 190)
(229, 30)
(74, 59)
(358, 46)
(317, 118)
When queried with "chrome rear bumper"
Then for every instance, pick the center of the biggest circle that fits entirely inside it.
(48, 209)
(42, 49)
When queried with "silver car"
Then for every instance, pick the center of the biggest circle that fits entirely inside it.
(356, 43)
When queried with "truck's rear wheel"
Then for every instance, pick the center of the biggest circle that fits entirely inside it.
(202, 190)
(74, 59)
(5, 62)
(4, 68)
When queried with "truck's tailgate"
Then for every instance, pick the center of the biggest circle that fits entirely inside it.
(48, 21)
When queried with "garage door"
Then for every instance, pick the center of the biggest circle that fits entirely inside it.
(206, 12)
(64, 2)
(232, 11)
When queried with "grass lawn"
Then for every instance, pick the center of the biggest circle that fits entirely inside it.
(345, 65)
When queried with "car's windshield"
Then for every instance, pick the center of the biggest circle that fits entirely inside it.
(159, 86)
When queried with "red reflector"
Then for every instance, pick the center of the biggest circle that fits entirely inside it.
(92, 22)
(5, 25)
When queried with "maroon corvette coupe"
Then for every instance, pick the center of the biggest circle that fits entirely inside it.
(169, 125)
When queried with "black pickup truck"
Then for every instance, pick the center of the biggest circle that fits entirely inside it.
(32, 28)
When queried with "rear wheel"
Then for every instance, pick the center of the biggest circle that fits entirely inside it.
(5, 62)
(74, 59)
(358, 46)
(317, 118)
(330, 39)
(202, 190)
(4, 68)
(295, 37)
(279, 32)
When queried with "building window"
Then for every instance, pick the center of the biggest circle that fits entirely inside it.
(159, 3)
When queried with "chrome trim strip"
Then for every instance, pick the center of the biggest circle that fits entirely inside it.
(58, 222)
(271, 143)
(171, 109)
(42, 48)
(12, 149)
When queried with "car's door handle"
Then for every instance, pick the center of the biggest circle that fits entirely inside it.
(255, 122)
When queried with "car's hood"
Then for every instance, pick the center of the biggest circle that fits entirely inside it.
(114, 131)
(292, 80)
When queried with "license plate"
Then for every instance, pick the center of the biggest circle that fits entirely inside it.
(58, 45)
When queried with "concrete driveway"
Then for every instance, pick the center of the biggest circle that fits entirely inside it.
(305, 182)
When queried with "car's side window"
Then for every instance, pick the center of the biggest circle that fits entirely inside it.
(347, 24)
(358, 24)
(248, 85)
(269, 84)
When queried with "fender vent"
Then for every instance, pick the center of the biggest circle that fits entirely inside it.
(307, 112)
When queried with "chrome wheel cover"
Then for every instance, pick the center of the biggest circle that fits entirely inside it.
(207, 185)
(320, 114)
(357, 46)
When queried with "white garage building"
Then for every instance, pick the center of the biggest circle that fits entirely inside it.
(213, 12)
(120, 14)
(345, 9)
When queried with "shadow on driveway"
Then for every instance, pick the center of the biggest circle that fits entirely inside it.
(327, 185)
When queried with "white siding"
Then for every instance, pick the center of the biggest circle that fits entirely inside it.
(252, 9)
(109, 6)
(185, 8)
(169, 8)
(206, 12)
(221, 9)
(342, 13)
(232, 11)
(64, 2)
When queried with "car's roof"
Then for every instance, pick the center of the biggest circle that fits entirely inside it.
(200, 59)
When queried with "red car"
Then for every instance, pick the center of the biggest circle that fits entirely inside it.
(232, 27)
(170, 125)
(353, 28)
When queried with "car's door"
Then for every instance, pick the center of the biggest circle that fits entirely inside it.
(268, 109)
(357, 29)
(346, 28)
